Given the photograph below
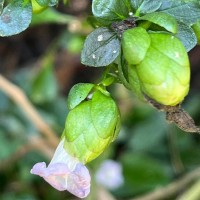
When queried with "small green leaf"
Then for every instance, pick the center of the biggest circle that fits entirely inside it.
(164, 74)
(145, 6)
(15, 18)
(162, 19)
(196, 28)
(135, 43)
(186, 35)
(186, 12)
(108, 11)
(78, 93)
(47, 2)
(101, 48)
(91, 126)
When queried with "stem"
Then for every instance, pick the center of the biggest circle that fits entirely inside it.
(192, 193)
(175, 155)
(172, 189)
(34, 143)
(18, 96)
(121, 74)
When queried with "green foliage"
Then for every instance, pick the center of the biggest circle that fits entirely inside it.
(15, 18)
(186, 35)
(101, 48)
(78, 93)
(187, 12)
(141, 44)
(109, 11)
(153, 172)
(44, 87)
(17, 15)
(162, 19)
(145, 6)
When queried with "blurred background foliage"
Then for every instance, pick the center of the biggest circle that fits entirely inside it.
(44, 61)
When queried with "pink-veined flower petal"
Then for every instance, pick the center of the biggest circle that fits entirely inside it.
(65, 172)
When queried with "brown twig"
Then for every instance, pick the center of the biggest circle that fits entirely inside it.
(104, 194)
(34, 143)
(173, 188)
(18, 96)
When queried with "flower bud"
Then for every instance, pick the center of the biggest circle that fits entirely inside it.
(135, 43)
(164, 73)
(91, 126)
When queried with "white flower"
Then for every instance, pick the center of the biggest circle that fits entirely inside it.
(65, 172)
(109, 174)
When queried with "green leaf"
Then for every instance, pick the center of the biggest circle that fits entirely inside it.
(142, 173)
(145, 6)
(108, 11)
(186, 12)
(91, 126)
(186, 35)
(78, 93)
(44, 87)
(47, 2)
(162, 19)
(101, 48)
(15, 18)
(196, 29)
(155, 126)
(166, 4)
(135, 43)
(164, 74)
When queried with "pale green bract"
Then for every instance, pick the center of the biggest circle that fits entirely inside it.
(164, 73)
(134, 47)
(91, 126)
(78, 93)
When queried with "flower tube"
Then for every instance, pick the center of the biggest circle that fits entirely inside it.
(65, 172)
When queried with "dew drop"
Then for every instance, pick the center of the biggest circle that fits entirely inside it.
(130, 13)
(93, 56)
(100, 38)
(114, 51)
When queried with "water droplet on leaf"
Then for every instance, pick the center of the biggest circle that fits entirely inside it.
(100, 38)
